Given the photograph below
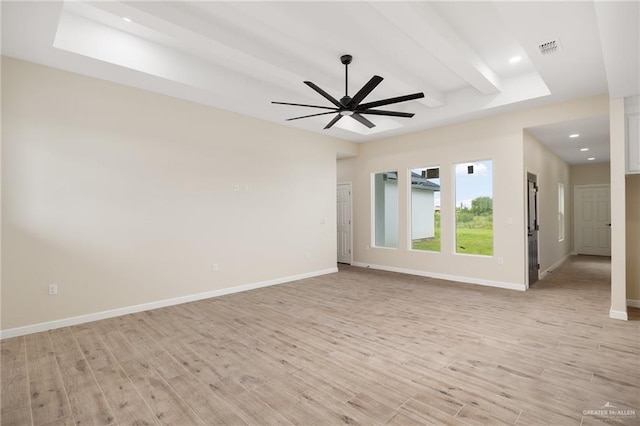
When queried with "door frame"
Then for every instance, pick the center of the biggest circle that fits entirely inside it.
(350, 221)
(575, 210)
(526, 224)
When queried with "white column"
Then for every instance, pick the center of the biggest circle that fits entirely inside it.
(618, 215)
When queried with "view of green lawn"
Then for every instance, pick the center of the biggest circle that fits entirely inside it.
(474, 227)
(427, 244)
(474, 230)
(474, 241)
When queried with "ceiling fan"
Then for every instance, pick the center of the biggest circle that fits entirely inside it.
(353, 107)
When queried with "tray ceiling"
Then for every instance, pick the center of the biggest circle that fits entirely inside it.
(240, 56)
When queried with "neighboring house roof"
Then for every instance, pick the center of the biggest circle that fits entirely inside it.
(417, 181)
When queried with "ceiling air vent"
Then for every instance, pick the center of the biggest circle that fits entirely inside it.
(549, 47)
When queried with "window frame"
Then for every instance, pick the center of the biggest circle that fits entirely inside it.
(373, 242)
(410, 209)
(454, 201)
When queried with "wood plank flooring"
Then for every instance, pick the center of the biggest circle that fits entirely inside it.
(356, 347)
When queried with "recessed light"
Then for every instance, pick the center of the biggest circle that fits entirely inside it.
(574, 135)
(126, 19)
(591, 158)
(515, 59)
(584, 149)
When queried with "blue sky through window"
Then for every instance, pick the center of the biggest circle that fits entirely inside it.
(471, 186)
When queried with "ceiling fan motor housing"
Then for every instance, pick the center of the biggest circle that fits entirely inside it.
(346, 59)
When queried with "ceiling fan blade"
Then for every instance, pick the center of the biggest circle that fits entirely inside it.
(323, 93)
(312, 115)
(389, 113)
(362, 120)
(303, 105)
(366, 89)
(334, 121)
(392, 101)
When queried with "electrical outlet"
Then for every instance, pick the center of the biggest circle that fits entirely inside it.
(53, 289)
(215, 267)
(500, 261)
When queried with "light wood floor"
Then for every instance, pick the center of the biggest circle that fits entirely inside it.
(356, 347)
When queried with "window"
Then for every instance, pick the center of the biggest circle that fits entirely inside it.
(425, 208)
(474, 208)
(385, 199)
(560, 212)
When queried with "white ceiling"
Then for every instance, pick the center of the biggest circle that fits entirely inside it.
(593, 138)
(240, 56)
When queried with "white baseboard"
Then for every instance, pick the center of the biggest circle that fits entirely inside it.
(499, 284)
(66, 322)
(619, 315)
(555, 265)
(633, 303)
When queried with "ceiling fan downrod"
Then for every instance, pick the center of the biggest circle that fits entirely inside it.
(346, 60)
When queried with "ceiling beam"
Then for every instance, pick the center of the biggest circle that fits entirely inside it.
(429, 30)
(273, 23)
(187, 36)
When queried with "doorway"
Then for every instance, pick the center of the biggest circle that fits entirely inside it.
(343, 214)
(533, 264)
(592, 219)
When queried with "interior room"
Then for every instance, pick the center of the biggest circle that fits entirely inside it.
(320, 212)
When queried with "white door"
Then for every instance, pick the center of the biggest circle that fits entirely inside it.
(343, 198)
(592, 217)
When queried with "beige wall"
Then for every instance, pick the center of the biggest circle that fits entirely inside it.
(591, 174)
(497, 138)
(550, 171)
(346, 169)
(633, 238)
(124, 197)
